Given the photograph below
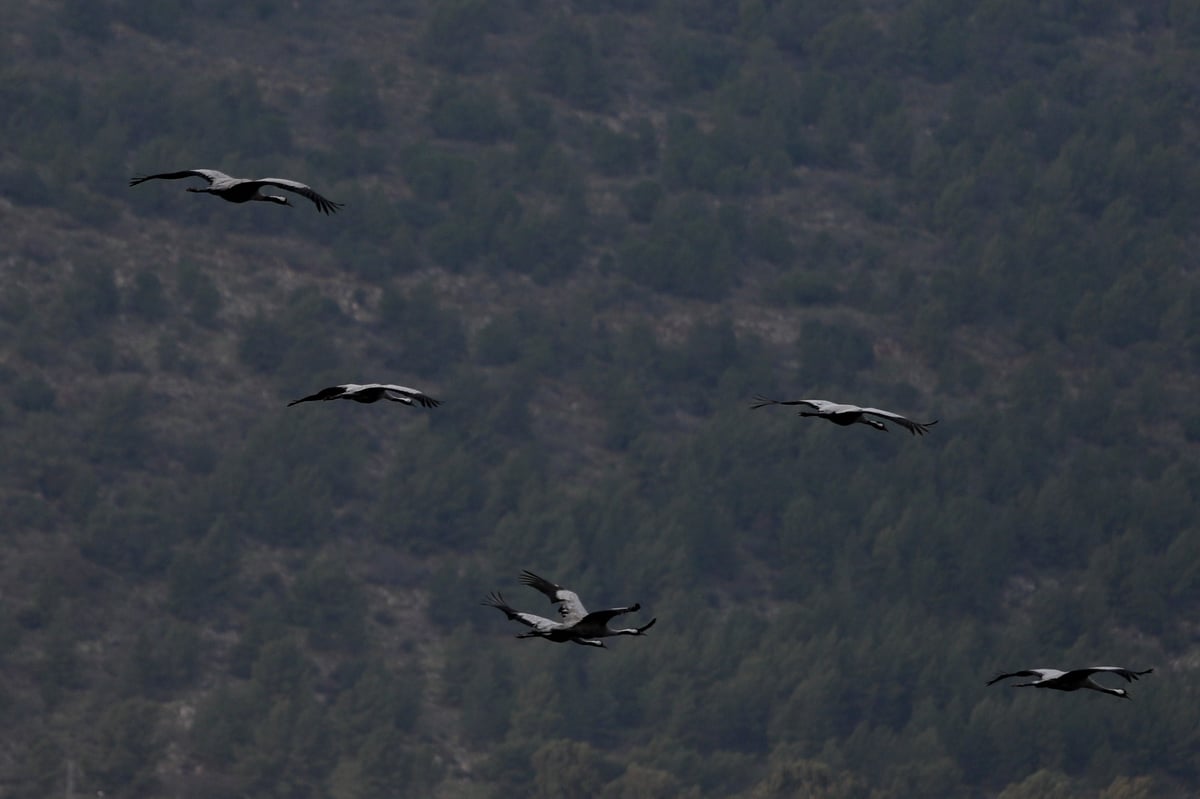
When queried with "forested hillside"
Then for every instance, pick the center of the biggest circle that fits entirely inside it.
(595, 230)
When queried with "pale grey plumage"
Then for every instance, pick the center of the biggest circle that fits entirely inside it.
(372, 392)
(842, 414)
(240, 190)
(577, 624)
(1073, 680)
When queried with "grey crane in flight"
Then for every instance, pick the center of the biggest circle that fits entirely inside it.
(372, 392)
(1073, 680)
(240, 190)
(846, 415)
(576, 624)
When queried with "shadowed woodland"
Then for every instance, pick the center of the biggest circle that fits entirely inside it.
(595, 230)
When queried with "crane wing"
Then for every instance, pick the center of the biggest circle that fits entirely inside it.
(538, 623)
(1024, 673)
(1128, 674)
(608, 614)
(760, 401)
(324, 205)
(572, 610)
(916, 428)
(323, 394)
(210, 175)
(411, 395)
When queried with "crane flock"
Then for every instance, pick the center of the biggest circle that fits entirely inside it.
(575, 623)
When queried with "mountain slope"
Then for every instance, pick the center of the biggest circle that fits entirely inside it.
(594, 231)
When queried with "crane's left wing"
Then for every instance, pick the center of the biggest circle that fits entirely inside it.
(608, 614)
(1128, 674)
(760, 401)
(323, 394)
(411, 395)
(210, 175)
(916, 428)
(572, 610)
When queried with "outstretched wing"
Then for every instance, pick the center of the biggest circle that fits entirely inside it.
(1128, 674)
(572, 609)
(210, 175)
(916, 428)
(324, 394)
(1024, 673)
(538, 623)
(608, 614)
(410, 395)
(323, 205)
(760, 401)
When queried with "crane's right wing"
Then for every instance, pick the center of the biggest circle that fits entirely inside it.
(323, 394)
(760, 401)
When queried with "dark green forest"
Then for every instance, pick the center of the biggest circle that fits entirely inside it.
(595, 230)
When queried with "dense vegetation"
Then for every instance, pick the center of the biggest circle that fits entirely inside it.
(595, 229)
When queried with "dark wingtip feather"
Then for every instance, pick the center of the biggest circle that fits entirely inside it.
(539, 583)
(921, 428)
